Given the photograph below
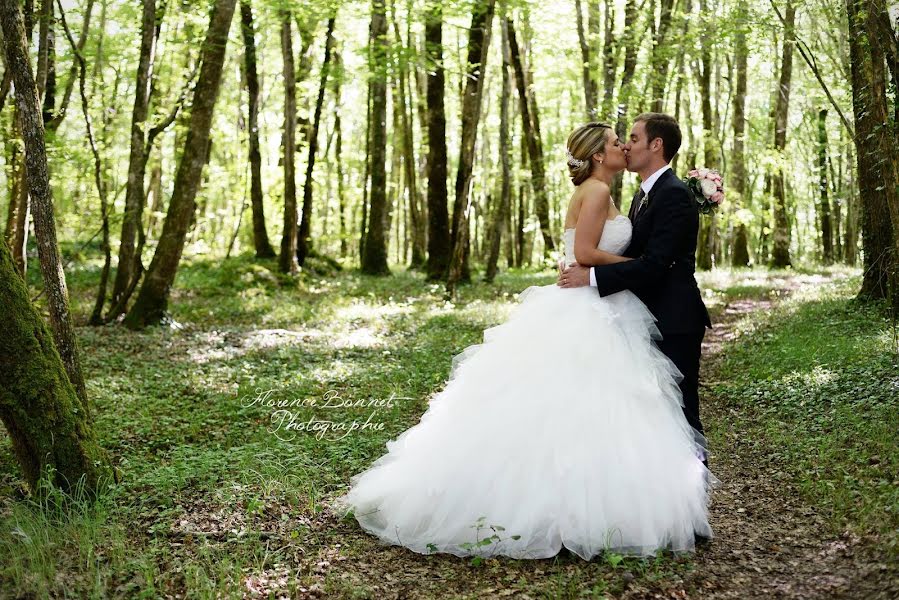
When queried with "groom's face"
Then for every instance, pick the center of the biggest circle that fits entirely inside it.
(637, 148)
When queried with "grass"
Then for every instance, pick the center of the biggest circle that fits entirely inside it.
(220, 501)
(818, 380)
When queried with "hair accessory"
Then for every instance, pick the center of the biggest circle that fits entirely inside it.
(574, 162)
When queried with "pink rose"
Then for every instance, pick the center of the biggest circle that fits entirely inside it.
(717, 197)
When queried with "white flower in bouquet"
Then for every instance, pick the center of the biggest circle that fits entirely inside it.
(709, 187)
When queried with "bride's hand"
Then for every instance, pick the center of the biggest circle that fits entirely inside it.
(574, 275)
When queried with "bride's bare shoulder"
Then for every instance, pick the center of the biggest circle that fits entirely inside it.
(593, 190)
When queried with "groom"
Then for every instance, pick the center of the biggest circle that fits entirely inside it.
(665, 222)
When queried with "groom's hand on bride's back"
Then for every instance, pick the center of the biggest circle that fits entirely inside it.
(574, 275)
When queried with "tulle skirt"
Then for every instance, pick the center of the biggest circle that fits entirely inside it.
(564, 427)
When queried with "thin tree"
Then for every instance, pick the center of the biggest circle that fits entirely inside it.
(261, 242)
(780, 253)
(417, 226)
(530, 120)
(661, 55)
(476, 69)
(152, 299)
(374, 256)
(626, 89)
(336, 82)
(303, 241)
(134, 188)
(287, 262)
(609, 60)
(823, 189)
(587, 71)
(19, 212)
(740, 256)
(439, 249)
(503, 207)
(96, 317)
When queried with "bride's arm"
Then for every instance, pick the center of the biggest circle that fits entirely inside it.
(590, 222)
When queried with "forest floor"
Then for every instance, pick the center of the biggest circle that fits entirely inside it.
(800, 401)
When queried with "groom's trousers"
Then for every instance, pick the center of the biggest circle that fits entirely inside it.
(684, 351)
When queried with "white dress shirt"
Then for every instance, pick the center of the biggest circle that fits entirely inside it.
(645, 186)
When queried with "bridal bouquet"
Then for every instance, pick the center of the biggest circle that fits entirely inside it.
(705, 184)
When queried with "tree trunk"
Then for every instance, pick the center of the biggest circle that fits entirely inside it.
(152, 299)
(96, 317)
(46, 63)
(57, 115)
(338, 152)
(501, 212)
(837, 188)
(659, 60)
(780, 254)
(708, 231)
(875, 152)
(476, 69)
(363, 225)
(530, 120)
(438, 217)
(416, 220)
(740, 256)
(260, 235)
(129, 260)
(587, 71)
(631, 39)
(38, 186)
(824, 207)
(609, 61)
(374, 258)
(19, 207)
(303, 236)
(49, 424)
(287, 261)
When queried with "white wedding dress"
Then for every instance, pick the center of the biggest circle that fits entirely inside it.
(564, 427)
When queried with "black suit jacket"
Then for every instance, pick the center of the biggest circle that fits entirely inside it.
(663, 245)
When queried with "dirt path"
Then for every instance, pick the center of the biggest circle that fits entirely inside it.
(769, 542)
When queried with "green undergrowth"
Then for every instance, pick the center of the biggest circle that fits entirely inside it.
(219, 496)
(817, 379)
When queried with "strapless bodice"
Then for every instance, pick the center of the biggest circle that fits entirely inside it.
(616, 235)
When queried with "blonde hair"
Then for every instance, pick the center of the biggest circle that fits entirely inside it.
(583, 143)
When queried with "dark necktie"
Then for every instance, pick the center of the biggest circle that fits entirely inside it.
(639, 198)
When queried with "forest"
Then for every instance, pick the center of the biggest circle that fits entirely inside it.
(207, 199)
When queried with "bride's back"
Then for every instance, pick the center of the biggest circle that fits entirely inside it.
(616, 233)
(589, 186)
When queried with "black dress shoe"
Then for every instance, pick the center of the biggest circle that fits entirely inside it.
(700, 540)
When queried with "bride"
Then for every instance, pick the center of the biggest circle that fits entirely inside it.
(564, 427)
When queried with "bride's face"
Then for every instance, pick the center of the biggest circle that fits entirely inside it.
(614, 158)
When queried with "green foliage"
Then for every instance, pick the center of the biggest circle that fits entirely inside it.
(817, 381)
(213, 500)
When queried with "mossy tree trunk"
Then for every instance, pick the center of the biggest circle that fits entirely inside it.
(48, 423)
(37, 180)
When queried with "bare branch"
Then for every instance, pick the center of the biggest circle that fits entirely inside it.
(812, 64)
